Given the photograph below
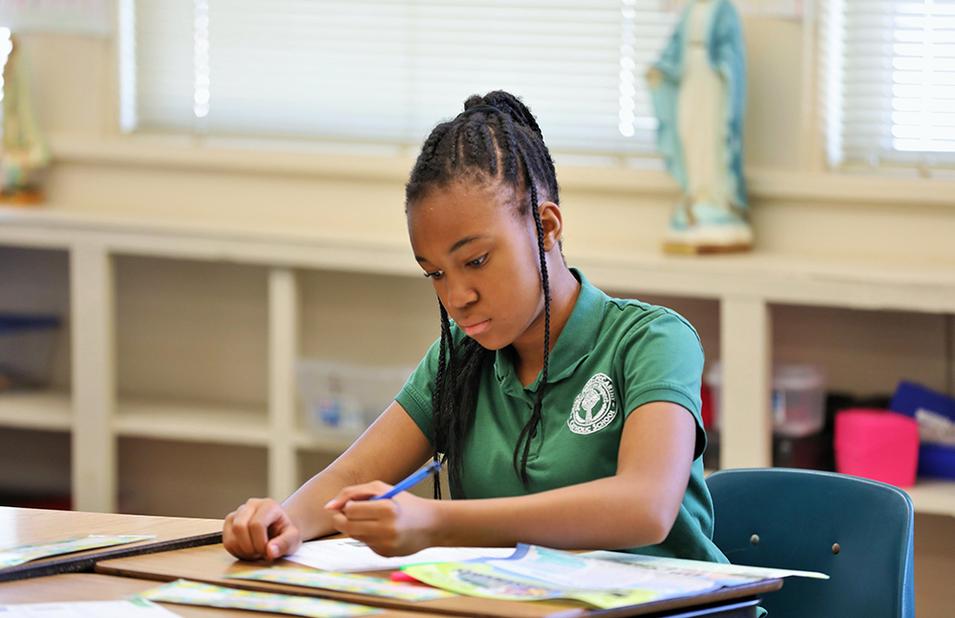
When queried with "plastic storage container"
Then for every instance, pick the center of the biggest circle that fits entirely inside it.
(26, 349)
(937, 452)
(877, 444)
(797, 403)
(346, 397)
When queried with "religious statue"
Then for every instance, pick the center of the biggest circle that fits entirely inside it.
(25, 154)
(698, 88)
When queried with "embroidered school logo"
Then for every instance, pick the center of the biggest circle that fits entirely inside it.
(594, 407)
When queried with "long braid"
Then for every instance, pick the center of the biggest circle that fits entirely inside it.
(441, 378)
(496, 139)
(529, 431)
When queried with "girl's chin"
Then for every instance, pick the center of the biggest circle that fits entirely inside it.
(490, 342)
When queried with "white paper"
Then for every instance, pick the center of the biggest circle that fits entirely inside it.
(138, 608)
(935, 428)
(349, 555)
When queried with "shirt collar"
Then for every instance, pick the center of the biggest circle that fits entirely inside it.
(573, 344)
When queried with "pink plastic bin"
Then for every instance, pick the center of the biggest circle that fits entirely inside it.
(878, 444)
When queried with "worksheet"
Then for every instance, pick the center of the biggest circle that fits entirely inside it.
(132, 608)
(727, 574)
(603, 579)
(348, 555)
(480, 579)
(195, 593)
(25, 553)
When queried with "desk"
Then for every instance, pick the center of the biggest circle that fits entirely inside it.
(90, 587)
(28, 526)
(210, 563)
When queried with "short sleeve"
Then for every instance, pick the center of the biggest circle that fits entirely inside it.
(415, 395)
(663, 361)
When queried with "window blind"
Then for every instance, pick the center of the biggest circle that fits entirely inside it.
(889, 82)
(388, 71)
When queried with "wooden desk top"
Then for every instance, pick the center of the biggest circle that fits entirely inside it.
(210, 563)
(90, 587)
(28, 526)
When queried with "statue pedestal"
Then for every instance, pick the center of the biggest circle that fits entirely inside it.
(704, 227)
(682, 248)
(22, 197)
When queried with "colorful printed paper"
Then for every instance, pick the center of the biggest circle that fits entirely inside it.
(569, 571)
(478, 579)
(193, 593)
(603, 579)
(725, 574)
(25, 553)
(130, 608)
(345, 582)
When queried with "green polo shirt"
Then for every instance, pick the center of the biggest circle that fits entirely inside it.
(613, 356)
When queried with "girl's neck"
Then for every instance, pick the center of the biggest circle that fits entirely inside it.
(529, 347)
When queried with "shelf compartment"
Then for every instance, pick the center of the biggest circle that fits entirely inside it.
(933, 497)
(192, 422)
(325, 441)
(43, 410)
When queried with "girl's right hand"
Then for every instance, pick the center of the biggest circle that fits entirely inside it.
(260, 529)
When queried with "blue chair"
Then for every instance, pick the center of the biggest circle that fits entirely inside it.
(857, 531)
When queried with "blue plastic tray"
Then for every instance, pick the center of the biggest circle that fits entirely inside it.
(935, 460)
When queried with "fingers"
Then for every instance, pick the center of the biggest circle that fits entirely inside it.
(382, 538)
(237, 543)
(284, 543)
(373, 523)
(247, 529)
(363, 510)
(380, 512)
(262, 521)
(368, 529)
(357, 492)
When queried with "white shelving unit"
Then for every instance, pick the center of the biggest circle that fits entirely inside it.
(43, 410)
(934, 497)
(191, 423)
(745, 287)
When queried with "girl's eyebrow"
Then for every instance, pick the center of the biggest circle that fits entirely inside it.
(467, 239)
(457, 245)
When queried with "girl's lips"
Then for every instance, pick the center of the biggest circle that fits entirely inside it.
(478, 328)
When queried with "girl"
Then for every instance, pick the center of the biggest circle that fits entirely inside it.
(566, 418)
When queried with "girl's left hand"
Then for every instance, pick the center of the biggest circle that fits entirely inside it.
(400, 526)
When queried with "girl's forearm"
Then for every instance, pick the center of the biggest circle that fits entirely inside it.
(610, 513)
(388, 450)
(306, 507)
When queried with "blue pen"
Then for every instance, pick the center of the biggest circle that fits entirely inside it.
(432, 468)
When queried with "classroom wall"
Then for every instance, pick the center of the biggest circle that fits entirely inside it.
(863, 352)
(75, 86)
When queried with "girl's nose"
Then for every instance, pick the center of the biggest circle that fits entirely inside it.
(461, 295)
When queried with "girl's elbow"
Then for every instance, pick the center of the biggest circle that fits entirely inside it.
(645, 528)
(657, 525)
(660, 530)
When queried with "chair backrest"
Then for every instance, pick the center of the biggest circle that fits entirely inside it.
(857, 531)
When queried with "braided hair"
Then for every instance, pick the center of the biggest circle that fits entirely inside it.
(495, 139)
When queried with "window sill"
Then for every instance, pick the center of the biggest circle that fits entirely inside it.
(391, 164)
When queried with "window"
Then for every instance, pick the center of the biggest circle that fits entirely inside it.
(387, 71)
(889, 91)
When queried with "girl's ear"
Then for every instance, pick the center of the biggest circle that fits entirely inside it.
(552, 223)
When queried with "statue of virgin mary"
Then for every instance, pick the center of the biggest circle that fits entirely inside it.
(25, 154)
(698, 88)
